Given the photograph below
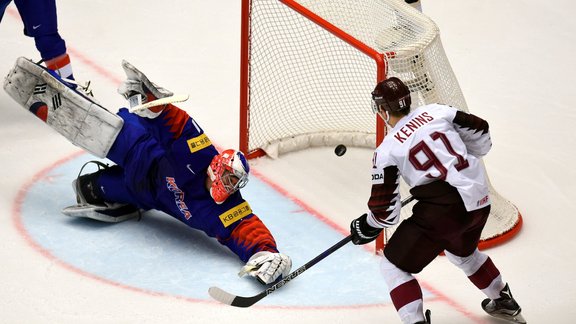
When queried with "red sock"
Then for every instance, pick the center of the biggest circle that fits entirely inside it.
(61, 65)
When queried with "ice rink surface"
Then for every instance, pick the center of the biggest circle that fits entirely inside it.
(514, 63)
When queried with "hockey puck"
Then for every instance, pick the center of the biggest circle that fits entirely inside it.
(340, 149)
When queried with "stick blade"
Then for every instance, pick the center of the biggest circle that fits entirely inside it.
(233, 300)
(221, 295)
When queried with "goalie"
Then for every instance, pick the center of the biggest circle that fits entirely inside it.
(164, 161)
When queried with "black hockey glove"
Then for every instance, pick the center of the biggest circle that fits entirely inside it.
(363, 233)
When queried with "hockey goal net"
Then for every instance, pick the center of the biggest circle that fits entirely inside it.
(309, 66)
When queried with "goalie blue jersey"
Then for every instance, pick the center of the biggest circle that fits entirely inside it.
(164, 164)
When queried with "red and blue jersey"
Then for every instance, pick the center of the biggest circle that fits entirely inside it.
(164, 165)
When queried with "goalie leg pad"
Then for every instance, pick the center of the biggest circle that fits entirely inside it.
(76, 117)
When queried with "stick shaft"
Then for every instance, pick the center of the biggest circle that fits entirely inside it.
(159, 102)
(240, 301)
(309, 264)
(319, 257)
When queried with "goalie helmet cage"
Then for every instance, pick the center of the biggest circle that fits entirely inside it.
(308, 68)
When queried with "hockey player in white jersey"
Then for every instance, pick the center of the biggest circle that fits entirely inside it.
(436, 149)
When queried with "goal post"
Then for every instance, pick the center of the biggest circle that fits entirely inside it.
(283, 77)
(308, 68)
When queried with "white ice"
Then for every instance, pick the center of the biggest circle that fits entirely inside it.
(514, 61)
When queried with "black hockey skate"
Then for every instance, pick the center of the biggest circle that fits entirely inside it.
(90, 205)
(504, 307)
(427, 315)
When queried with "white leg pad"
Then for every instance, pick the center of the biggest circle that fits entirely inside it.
(78, 118)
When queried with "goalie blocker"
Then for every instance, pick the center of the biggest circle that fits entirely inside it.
(74, 115)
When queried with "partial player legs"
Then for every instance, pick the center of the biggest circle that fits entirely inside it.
(482, 272)
(92, 196)
(410, 249)
(41, 22)
(405, 292)
(106, 186)
(504, 307)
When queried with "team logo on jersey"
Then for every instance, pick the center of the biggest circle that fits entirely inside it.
(235, 213)
(178, 197)
(483, 201)
(377, 178)
(199, 142)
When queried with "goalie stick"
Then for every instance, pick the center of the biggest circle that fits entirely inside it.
(159, 102)
(239, 301)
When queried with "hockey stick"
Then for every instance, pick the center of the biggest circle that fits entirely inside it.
(407, 201)
(239, 301)
(160, 102)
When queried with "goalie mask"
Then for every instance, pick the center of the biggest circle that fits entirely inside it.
(228, 172)
(390, 95)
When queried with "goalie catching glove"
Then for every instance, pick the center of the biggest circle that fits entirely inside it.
(138, 89)
(267, 267)
(363, 233)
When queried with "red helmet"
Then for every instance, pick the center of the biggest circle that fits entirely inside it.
(391, 95)
(228, 172)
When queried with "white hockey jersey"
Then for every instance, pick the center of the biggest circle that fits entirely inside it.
(433, 142)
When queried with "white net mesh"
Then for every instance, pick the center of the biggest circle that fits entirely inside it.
(309, 82)
(306, 85)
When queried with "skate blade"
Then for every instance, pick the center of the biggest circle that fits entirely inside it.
(514, 319)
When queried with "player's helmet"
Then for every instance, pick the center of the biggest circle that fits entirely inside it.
(228, 172)
(391, 95)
